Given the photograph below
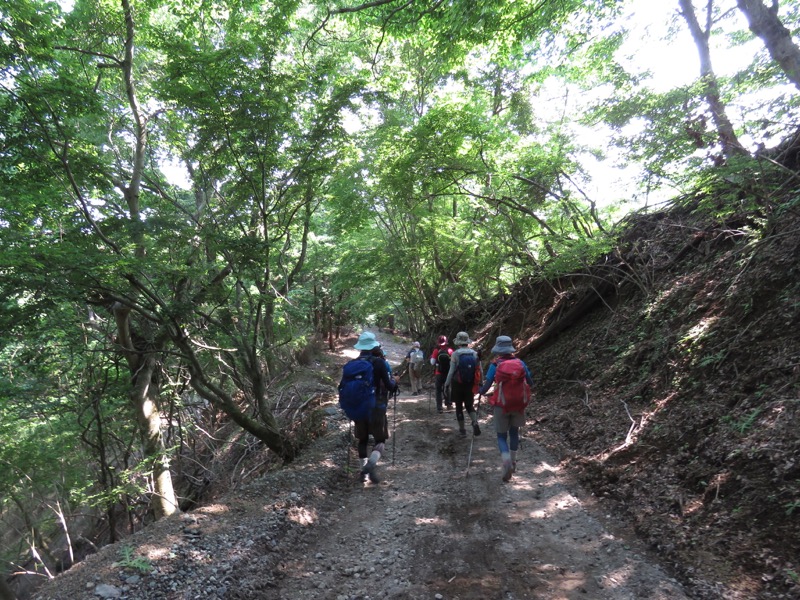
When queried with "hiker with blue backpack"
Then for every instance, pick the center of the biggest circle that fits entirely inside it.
(512, 382)
(464, 370)
(363, 395)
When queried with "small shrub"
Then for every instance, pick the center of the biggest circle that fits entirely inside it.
(130, 561)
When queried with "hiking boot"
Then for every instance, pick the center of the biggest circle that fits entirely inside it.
(513, 467)
(369, 471)
(439, 410)
(475, 429)
(462, 432)
(508, 469)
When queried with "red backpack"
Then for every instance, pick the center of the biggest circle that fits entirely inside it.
(478, 381)
(512, 390)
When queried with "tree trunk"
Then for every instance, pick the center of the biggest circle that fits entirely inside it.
(764, 22)
(728, 140)
(144, 397)
(142, 357)
(143, 364)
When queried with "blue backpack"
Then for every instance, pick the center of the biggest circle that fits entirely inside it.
(357, 389)
(465, 370)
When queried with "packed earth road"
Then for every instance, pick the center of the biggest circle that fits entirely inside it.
(441, 524)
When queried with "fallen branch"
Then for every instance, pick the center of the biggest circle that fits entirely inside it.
(304, 404)
(629, 436)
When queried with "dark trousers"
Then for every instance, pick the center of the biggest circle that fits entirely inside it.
(440, 395)
(377, 425)
(461, 394)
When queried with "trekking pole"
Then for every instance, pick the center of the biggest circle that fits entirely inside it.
(394, 423)
(349, 444)
(472, 443)
(469, 458)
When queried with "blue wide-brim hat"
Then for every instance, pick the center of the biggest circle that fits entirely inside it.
(366, 341)
(503, 345)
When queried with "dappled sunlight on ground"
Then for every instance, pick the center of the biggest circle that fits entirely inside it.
(563, 501)
(162, 551)
(349, 352)
(328, 463)
(618, 577)
(522, 483)
(544, 468)
(213, 509)
(302, 516)
(558, 503)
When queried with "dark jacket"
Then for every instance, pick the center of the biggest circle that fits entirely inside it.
(384, 384)
(435, 357)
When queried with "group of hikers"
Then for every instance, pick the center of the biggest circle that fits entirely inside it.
(367, 383)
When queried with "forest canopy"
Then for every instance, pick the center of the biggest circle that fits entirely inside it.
(191, 191)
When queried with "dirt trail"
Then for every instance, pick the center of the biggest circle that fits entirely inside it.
(438, 527)
(432, 529)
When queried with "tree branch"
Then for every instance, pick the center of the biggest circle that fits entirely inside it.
(360, 7)
(116, 62)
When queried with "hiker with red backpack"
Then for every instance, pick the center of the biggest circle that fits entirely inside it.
(464, 370)
(440, 359)
(512, 392)
(363, 395)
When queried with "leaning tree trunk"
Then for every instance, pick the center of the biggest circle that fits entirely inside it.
(725, 133)
(266, 429)
(764, 22)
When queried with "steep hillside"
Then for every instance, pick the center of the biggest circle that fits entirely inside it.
(668, 385)
(669, 380)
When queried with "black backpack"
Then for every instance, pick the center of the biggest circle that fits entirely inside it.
(443, 360)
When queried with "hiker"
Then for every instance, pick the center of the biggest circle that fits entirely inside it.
(440, 359)
(416, 358)
(460, 380)
(511, 395)
(381, 391)
(363, 394)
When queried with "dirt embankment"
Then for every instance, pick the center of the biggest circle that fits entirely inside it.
(669, 384)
